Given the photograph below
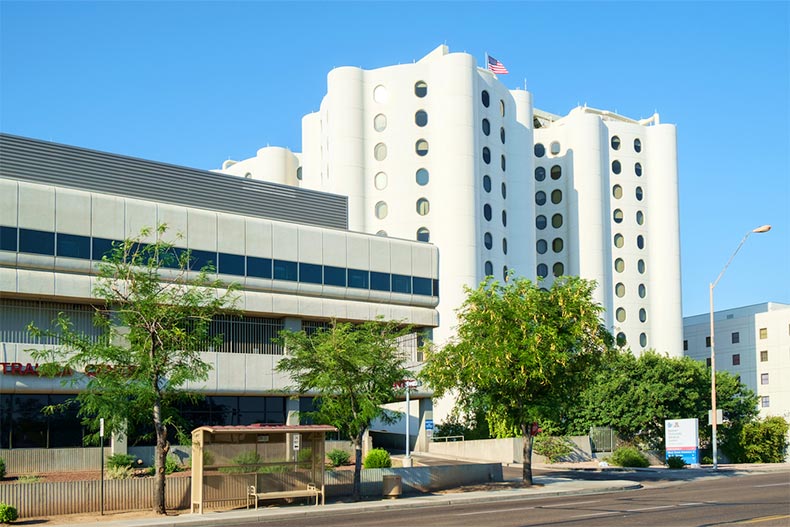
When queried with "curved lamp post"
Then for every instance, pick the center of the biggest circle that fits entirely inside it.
(714, 419)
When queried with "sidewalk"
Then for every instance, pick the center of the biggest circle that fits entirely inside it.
(544, 487)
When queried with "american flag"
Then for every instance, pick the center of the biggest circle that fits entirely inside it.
(496, 66)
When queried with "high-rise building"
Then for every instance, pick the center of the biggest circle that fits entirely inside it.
(443, 152)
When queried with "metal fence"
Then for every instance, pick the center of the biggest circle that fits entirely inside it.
(72, 497)
(602, 439)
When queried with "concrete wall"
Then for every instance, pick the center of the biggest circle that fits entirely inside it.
(508, 450)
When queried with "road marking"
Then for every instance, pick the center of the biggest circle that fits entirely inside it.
(495, 511)
(651, 508)
(573, 504)
(766, 519)
(773, 485)
(596, 514)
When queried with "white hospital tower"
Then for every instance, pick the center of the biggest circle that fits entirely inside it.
(441, 151)
(413, 181)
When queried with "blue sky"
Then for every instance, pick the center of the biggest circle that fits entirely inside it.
(194, 83)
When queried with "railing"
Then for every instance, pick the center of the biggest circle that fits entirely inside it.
(447, 438)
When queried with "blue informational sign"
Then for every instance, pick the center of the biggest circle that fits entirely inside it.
(429, 424)
(682, 439)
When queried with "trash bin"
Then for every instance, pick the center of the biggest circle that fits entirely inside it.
(392, 487)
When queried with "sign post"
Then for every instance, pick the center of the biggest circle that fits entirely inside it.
(408, 384)
(101, 448)
(682, 439)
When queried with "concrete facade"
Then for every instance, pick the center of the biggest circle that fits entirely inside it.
(753, 343)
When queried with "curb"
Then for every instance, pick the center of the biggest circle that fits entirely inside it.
(410, 502)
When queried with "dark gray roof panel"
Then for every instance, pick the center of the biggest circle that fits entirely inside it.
(47, 163)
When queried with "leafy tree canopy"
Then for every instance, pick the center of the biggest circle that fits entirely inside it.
(353, 369)
(635, 395)
(154, 317)
(522, 353)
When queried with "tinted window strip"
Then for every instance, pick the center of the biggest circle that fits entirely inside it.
(94, 248)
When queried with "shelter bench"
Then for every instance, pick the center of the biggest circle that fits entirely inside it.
(254, 496)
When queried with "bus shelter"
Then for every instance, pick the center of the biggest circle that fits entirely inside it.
(241, 465)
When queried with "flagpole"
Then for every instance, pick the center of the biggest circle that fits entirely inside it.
(485, 64)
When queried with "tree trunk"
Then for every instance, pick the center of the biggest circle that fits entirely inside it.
(356, 493)
(160, 454)
(526, 474)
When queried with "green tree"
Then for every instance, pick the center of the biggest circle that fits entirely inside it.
(353, 369)
(522, 353)
(154, 322)
(764, 441)
(635, 395)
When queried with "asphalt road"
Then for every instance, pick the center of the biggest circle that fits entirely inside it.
(755, 499)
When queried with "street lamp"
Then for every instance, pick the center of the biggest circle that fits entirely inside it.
(714, 418)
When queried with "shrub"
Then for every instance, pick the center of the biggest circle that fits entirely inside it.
(28, 478)
(172, 464)
(765, 441)
(553, 448)
(208, 459)
(120, 461)
(8, 513)
(628, 456)
(119, 472)
(338, 457)
(707, 460)
(2, 468)
(378, 458)
(676, 462)
(305, 454)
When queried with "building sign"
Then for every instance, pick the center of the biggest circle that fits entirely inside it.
(17, 368)
(429, 428)
(682, 439)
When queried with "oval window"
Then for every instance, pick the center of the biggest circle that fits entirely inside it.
(540, 174)
(558, 269)
(489, 268)
(638, 169)
(619, 240)
(380, 181)
(615, 143)
(380, 94)
(504, 245)
(380, 152)
(541, 246)
(642, 315)
(485, 98)
(488, 240)
(640, 217)
(619, 265)
(556, 245)
(540, 222)
(617, 191)
(486, 127)
(540, 150)
(420, 89)
(502, 162)
(556, 196)
(381, 210)
(487, 183)
(556, 221)
(421, 118)
(423, 235)
(423, 207)
(639, 194)
(486, 155)
(502, 135)
(640, 242)
(616, 167)
(543, 270)
(637, 145)
(642, 291)
(380, 122)
(640, 265)
(504, 190)
(540, 197)
(617, 216)
(422, 177)
(556, 172)
(620, 314)
(619, 290)
(421, 147)
(487, 212)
